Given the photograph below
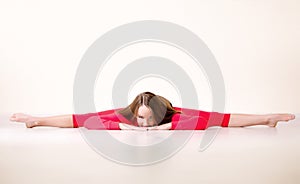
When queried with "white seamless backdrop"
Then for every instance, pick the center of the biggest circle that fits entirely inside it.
(256, 44)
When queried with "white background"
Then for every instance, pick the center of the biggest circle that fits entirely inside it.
(256, 44)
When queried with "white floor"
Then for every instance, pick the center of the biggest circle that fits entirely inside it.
(237, 155)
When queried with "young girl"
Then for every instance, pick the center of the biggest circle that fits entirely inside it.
(151, 112)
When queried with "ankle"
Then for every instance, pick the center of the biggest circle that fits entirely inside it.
(35, 121)
(267, 119)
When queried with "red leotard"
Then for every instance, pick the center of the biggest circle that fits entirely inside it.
(189, 119)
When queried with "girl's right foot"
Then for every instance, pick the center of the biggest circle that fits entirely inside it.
(30, 121)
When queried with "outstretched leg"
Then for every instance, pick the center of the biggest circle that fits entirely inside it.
(271, 120)
(63, 121)
(236, 120)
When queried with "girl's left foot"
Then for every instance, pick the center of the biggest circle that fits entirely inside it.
(275, 118)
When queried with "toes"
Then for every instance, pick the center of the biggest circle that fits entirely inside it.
(289, 117)
(293, 116)
(13, 117)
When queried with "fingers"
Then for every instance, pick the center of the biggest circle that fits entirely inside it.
(153, 128)
(166, 126)
(123, 126)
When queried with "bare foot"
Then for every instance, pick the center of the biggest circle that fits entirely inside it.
(30, 121)
(275, 118)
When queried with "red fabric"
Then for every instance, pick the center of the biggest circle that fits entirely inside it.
(193, 119)
(190, 119)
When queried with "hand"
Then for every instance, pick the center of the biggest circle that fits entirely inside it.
(124, 126)
(166, 126)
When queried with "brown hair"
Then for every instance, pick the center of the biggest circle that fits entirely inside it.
(162, 109)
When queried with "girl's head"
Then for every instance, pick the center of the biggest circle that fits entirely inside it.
(148, 109)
